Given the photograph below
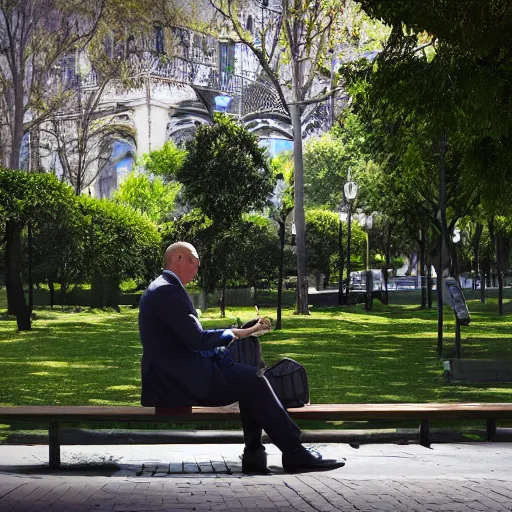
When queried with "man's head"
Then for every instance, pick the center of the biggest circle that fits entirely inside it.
(182, 259)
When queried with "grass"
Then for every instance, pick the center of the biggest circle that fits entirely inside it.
(389, 355)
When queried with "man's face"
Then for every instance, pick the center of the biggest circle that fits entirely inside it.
(188, 264)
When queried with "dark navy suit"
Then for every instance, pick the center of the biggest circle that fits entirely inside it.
(174, 372)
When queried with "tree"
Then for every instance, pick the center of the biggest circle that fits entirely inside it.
(225, 172)
(433, 79)
(300, 37)
(164, 162)
(321, 242)
(282, 206)
(84, 135)
(121, 244)
(244, 252)
(35, 35)
(325, 169)
(26, 198)
(148, 196)
(58, 250)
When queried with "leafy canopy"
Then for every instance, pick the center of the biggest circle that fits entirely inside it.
(225, 172)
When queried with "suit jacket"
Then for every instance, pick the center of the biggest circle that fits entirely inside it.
(173, 371)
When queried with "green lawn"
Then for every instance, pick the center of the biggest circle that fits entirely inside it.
(388, 355)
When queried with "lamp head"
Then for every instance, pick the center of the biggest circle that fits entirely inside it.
(350, 189)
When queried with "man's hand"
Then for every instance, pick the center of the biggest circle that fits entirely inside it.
(261, 326)
(265, 323)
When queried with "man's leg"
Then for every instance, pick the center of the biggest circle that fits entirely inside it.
(252, 429)
(259, 406)
(234, 382)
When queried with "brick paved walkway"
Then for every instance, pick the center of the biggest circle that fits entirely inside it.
(457, 477)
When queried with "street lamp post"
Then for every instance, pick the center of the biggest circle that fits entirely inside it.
(350, 190)
(343, 218)
(367, 222)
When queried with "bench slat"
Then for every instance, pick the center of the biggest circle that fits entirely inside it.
(325, 412)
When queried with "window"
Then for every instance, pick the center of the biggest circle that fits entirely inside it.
(159, 40)
(249, 25)
(226, 58)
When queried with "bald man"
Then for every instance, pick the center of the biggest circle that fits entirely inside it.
(180, 368)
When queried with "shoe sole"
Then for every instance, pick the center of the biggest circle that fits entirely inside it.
(308, 469)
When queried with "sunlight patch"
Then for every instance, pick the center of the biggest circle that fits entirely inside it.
(126, 387)
(40, 373)
(65, 364)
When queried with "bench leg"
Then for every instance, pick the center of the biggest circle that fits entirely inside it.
(54, 445)
(424, 434)
(491, 429)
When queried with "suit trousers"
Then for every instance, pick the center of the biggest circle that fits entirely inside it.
(259, 406)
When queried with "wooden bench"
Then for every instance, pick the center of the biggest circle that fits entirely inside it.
(55, 416)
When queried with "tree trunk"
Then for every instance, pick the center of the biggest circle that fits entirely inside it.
(15, 296)
(35, 153)
(442, 209)
(30, 280)
(98, 291)
(223, 300)
(439, 312)
(423, 247)
(482, 285)
(476, 252)
(63, 292)
(430, 281)
(341, 264)
(17, 128)
(299, 217)
(388, 263)
(51, 287)
(499, 269)
(281, 272)
(112, 294)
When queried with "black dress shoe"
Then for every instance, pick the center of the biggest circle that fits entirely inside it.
(302, 460)
(255, 462)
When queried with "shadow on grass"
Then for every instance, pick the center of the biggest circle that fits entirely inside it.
(388, 355)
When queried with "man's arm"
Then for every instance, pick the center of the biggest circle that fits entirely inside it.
(259, 327)
(178, 316)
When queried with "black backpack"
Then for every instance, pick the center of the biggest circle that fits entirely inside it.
(289, 381)
(247, 351)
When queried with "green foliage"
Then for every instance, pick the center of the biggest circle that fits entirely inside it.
(121, 243)
(51, 209)
(325, 170)
(225, 173)
(193, 227)
(148, 196)
(32, 197)
(462, 92)
(166, 161)
(322, 229)
(245, 253)
(251, 251)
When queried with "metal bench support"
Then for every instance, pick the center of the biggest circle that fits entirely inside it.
(54, 445)
(424, 434)
(491, 429)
